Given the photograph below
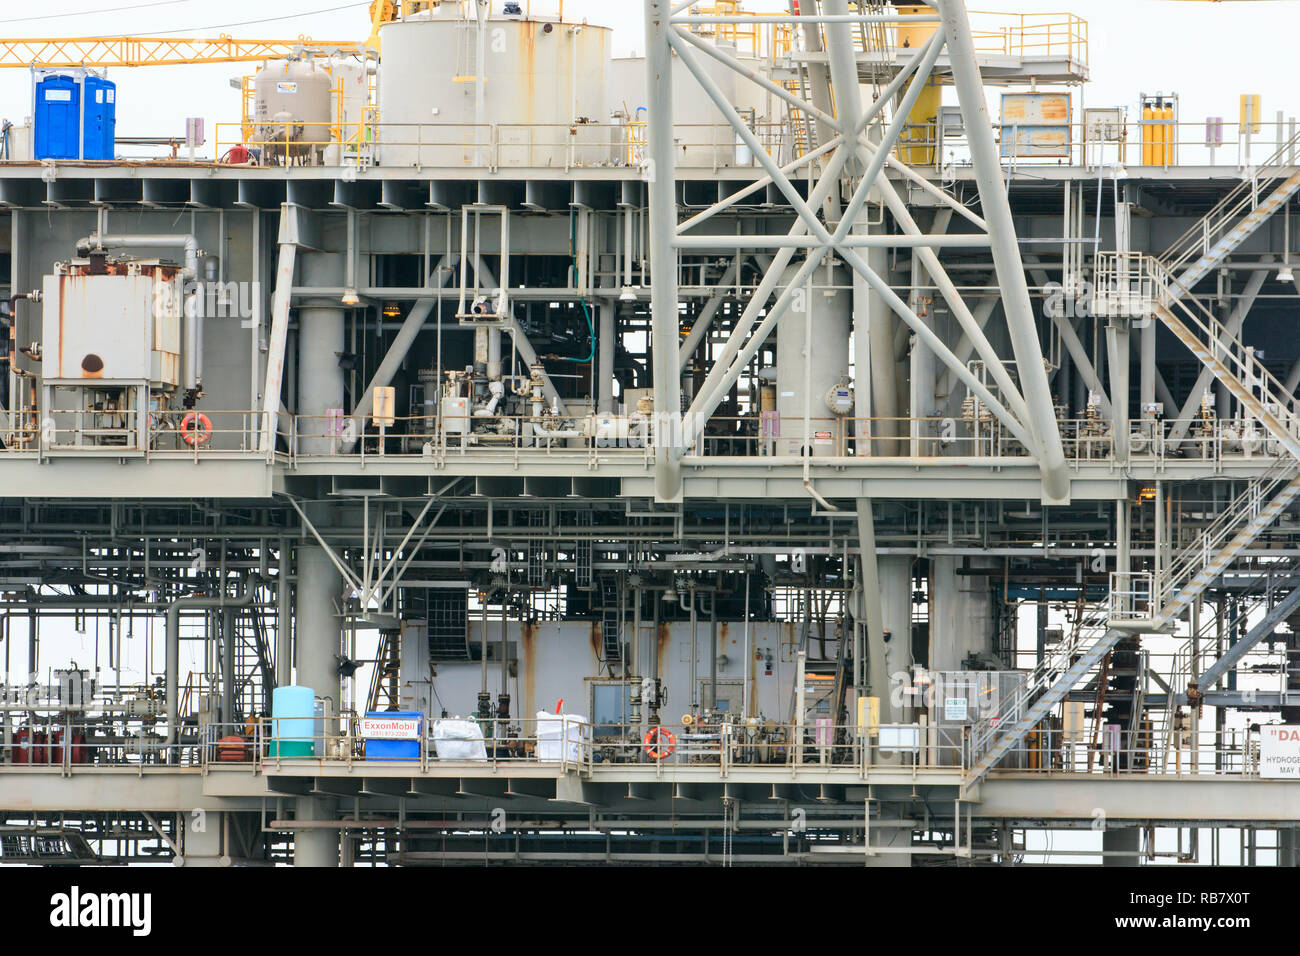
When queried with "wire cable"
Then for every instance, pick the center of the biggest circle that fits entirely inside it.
(245, 23)
(91, 13)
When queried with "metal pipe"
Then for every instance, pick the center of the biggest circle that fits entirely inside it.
(663, 227)
(98, 243)
(171, 680)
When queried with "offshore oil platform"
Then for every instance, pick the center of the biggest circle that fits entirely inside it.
(822, 439)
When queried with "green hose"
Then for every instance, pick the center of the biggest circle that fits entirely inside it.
(573, 258)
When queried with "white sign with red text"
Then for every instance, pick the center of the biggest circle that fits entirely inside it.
(390, 728)
(1279, 751)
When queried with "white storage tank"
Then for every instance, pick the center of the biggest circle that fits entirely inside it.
(704, 138)
(349, 97)
(291, 111)
(533, 101)
(829, 295)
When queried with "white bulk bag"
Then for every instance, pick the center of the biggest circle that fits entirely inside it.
(456, 739)
(561, 736)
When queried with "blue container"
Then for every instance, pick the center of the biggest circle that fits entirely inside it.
(76, 117)
(99, 131)
(58, 118)
(293, 722)
(388, 749)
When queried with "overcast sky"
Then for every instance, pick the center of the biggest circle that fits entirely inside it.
(1207, 52)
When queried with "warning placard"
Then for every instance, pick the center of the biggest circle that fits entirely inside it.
(1279, 751)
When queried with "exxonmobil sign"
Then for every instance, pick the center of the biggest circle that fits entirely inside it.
(405, 727)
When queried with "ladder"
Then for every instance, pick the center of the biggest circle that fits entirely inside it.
(385, 682)
(611, 615)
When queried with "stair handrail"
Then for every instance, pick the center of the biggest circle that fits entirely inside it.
(1196, 239)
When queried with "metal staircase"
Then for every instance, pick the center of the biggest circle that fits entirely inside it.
(1233, 220)
(1189, 666)
(1191, 570)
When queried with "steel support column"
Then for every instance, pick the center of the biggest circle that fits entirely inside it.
(661, 180)
(1006, 251)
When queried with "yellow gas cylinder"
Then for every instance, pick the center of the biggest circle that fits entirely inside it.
(918, 142)
(1158, 132)
(913, 35)
(916, 145)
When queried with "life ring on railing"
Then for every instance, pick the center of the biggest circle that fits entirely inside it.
(659, 743)
(196, 428)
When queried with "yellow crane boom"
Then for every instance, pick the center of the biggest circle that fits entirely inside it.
(99, 52)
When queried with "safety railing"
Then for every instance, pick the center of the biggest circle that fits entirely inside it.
(1238, 203)
(1141, 287)
(587, 438)
(570, 744)
(1136, 146)
(1132, 596)
(1030, 34)
(489, 146)
(1113, 751)
(594, 439)
(153, 433)
(563, 741)
(1188, 562)
(72, 743)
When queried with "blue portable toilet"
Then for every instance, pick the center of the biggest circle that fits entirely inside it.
(58, 118)
(99, 130)
(75, 117)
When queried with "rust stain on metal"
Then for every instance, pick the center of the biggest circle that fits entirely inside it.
(661, 647)
(63, 283)
(528, 53)
(595, 638)
(528, 645)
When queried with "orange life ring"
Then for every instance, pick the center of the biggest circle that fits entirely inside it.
(196, 428)
(659, 743)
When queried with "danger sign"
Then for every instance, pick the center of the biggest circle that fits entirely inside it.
(1279, 751)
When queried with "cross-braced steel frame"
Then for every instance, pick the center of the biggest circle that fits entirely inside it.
(850, 164)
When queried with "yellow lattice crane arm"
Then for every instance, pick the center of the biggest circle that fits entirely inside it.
(99, 52)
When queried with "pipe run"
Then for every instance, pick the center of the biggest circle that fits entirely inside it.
(172, 679)
(99, 243)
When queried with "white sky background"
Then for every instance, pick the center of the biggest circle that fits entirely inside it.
(1206, 52)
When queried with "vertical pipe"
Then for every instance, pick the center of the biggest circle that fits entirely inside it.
(283, 620)
(661, 176)
(228, 666)
(321, 340)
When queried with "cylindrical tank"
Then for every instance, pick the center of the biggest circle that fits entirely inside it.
(704, 137)
(293, 722)
(349, 97)
(829, 296)
(539, 83)
(29, 746)
(291, 111)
